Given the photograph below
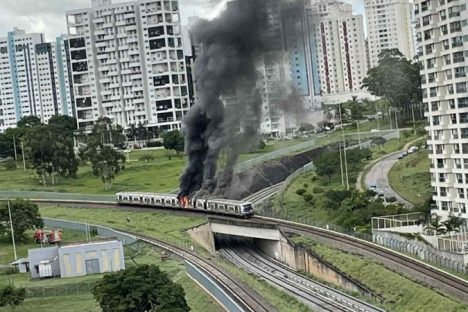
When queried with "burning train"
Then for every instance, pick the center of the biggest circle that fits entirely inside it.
(215, 206)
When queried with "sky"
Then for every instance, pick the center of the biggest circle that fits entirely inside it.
(48, 16)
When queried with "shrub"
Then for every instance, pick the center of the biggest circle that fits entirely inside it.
(306, 185)
(154, 144)
(10, 165)
(317, 190)
(307, 197)
(406, 133)
(300, 192)
(314, 178)
(146, 157)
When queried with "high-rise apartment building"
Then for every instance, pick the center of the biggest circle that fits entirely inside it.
(128, 63)
(33, 78)
(442, 36)
(340, 47)
(389, 27)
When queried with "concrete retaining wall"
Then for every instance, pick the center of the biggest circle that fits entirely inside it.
(310, 263)
(203, 235)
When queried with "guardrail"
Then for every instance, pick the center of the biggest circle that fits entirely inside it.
(55, 196)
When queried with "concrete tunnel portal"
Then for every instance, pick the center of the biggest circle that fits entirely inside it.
(267, 238)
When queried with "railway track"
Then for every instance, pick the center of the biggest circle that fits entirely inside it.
(245, 297)
(317, 296)
(436, 278)
(264, 194)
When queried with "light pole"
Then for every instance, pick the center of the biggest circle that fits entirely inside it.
(14, 147)
(22, 153)
(12, 232)
(344, 148)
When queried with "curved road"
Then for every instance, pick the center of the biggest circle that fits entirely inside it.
(378, 175)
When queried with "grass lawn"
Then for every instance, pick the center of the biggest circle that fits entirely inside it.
(196, 297)
(410, 177)
(158, 175)
(155, 223)
(399, 292)
(163, 225)
(6, 247)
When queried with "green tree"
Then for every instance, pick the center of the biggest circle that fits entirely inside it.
(63, 123)
(174, 140)
(106, 162)
(51, 152)
(140, 289)
(24, 215)
(397, 79)
(327, 164)
(435, 225)
(104, 132)
(12, 296)
(453, 224)
(28, 122)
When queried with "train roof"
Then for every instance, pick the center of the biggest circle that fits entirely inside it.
(228, 201)
(145, 193)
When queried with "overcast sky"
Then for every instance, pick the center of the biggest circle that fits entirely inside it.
(48, 16)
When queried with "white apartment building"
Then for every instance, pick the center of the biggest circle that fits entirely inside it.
(340, 46)
(442, 35)
(128, 63)
(32, 79)
(389, 27)
(18, 77)
(54, 90)
(277, 115)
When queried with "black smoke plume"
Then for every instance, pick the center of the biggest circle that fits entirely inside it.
(224, 70)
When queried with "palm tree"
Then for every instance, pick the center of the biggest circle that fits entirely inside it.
(132, 132)
(434, 225)
(142, 132)
(453, 224)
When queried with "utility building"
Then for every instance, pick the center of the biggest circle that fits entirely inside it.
(76, 259)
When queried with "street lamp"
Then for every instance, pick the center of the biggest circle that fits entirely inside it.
(344, 148)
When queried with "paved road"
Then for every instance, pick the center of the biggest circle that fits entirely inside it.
(378, 175)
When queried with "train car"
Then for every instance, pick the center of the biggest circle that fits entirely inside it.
(216, 206)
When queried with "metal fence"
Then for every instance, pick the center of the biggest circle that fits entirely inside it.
(273, 155)
(102, 231)
(55, 196)
(61, 290)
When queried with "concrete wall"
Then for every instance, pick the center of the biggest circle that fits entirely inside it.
(37, 255)
(271, 234)
(310, 263)
(395, 266)
(203, 236)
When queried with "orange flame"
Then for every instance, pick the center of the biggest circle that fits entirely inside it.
(184, 201)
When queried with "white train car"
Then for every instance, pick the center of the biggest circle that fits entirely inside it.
(215, 206)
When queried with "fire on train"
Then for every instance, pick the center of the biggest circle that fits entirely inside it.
(215, 206)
